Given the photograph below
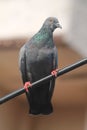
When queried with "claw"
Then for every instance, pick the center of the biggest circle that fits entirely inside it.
(54, 72)
(26, 85)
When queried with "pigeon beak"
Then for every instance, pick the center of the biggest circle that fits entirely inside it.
(58, 25)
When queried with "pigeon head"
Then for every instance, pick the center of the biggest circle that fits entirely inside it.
(52, 23)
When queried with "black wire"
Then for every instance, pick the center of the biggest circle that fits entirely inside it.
(60, 72)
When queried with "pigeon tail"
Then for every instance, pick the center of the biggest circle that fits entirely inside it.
(44, 109)
(39, 101)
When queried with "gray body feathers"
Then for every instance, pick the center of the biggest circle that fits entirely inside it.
(37, 58)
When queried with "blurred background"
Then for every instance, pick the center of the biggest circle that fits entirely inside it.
(19, 21)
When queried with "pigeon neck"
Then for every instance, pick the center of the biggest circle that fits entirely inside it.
(46, 30)
(44, 37)
(47, 37)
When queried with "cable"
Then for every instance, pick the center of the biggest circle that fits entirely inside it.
(60, 72)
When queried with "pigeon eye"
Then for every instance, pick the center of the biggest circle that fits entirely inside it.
(51, 20)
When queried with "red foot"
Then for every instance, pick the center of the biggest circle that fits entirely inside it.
(26, 85)
(54, 72)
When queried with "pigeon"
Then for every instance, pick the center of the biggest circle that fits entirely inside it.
(38, 57)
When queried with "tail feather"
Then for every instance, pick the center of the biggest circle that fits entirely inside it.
(38, 99)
